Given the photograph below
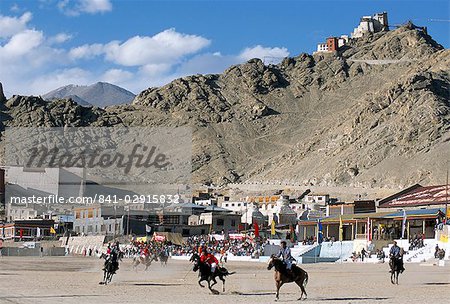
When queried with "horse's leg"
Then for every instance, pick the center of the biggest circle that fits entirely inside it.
(223, 283)
(201, 283)
(278, 285)
(213, 279)
(210, 286)
(302, 288)
(396, 279)
(392, 276)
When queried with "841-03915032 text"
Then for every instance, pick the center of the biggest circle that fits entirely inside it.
(139, 199)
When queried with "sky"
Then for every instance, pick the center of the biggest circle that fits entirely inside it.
(45, 44)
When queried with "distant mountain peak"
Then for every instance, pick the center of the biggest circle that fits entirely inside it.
(99, 94)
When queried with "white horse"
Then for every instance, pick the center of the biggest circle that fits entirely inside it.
(144, 260)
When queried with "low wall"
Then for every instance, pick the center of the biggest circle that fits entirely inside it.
(271, 249)
(311, 259)
(16, 251)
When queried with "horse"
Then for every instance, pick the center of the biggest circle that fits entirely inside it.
(144, 260)
(299, 276)
(108, 270)
(163, 257)
(206, 275)
(396, 265)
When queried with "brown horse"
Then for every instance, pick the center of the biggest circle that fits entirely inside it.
(299, 276)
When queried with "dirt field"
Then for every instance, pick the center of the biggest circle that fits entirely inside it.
(75, 280)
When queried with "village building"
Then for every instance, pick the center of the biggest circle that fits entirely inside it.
(254, 215)
(217, 219)
(29, 229)
(415, 210)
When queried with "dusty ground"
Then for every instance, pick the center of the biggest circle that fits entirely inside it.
(75, 280)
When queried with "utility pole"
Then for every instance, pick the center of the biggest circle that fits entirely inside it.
(128, 221)
(115, 222)
(446, 196)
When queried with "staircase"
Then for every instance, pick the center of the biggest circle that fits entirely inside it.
(299, 250)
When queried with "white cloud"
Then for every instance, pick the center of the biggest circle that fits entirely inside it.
(164, 47)
(267, 54)
(10, 26)
(22, 43)
(60, 77)
(209, 63)
(117, 76)
(15, 8)
(59, 38)
(77, 7)
(155, 69)
(86, 51)
(95, 6)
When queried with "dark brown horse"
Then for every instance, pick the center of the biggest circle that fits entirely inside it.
(396, 265)
(298, 275)
(206, 275)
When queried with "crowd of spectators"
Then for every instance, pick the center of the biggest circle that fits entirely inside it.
(194, 244)
(416, 241)
(236, 247)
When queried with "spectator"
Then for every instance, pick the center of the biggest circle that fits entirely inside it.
(363, 254)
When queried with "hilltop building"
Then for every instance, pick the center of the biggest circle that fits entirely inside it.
(371, 24)
(368, 24)
(332, 44)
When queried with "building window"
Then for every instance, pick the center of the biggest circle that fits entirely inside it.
(233, 223)
(219, 222)
(239, 204)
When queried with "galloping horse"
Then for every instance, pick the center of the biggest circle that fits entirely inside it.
(108, 270)
(206, 275)
(144, 260)
(299, 276)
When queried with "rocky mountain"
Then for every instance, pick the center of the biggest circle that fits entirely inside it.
(375, 115)
(100, 94)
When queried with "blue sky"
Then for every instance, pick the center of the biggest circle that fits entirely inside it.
(45, 44)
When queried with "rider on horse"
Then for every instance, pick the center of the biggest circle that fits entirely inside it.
(209, 259)
(396, 254)
(113, 253)
(145, 252)
(285, 253)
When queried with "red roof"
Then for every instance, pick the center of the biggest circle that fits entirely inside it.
(420, 196)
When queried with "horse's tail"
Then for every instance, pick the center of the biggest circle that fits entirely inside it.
(305, 280)
(225, 272)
